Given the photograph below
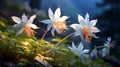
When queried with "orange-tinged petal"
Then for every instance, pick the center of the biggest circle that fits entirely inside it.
(86, 31)
(60, 26)
(29, 31)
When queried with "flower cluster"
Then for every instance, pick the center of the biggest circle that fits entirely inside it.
(86, 29)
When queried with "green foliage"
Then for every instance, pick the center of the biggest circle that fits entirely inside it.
(22, 50)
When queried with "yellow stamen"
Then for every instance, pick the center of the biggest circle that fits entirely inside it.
(29, 31)
(60, 26)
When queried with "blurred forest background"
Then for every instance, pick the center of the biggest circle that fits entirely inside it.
(106, 11)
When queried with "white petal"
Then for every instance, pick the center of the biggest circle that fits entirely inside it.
(31, 19)
(80, 47)
(80, 18)
(49, 27)
(46, 21)
(17, 26)
(52, 31)
(57, 13)
(73, 45)
(24, 18)
(63, 18)
(93, 22)
(95, 29)
(51, 15)
(16, 19)
(19, 31)
(87, 18)
(104, 52)
(85, 55)
(85, 51)
(33, 26)
(76, 26)
(77, 33)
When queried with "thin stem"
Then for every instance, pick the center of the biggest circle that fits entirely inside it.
(60, 42)
(64, 39)
(99, 47)
(44, 34)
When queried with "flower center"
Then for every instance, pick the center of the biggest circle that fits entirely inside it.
(29, 31)
(60, 26)
(86, 31)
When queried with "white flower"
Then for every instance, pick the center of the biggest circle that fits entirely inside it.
(106, 49)
(79, 51)
(25, 24)
(55, 22)
(85, 27)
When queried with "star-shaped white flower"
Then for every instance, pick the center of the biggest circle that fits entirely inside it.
(79, 51)
(25, 24)
(55, 22)
(85, 27)
(106, 49)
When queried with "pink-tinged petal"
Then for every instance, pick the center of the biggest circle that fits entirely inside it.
(93, 22)
(76, 26)
(31, 19)
(19, 31)
(57, 13)
(87, 18)
(51, 15)
(46, 21)
(16, 19)
(80, 46)
(63, 18)
(24, 18)
(80, 18)
(33, 26)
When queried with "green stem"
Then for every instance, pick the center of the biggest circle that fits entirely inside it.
(60, 42)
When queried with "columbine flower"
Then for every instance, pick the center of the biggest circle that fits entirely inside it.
(79, 51)
(93, 54)
(24, 24)
(56, 22)
(106, 49)
(86, 28)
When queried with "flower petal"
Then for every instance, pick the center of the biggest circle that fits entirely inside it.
(80, 47)
(85, 51)
(77, 33)
(51, 15)
(46, 21)
(31, 19)
(49, 26)
(33, 26)
(87, 18)
(93, 22)
(57, 13)
(63, 18)
(76, 26)
(17, 26)
(52, 31)
(24, 18)
(73, 45)
(95, 29)
(16, 19)
(19, 31)
(80, 18)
